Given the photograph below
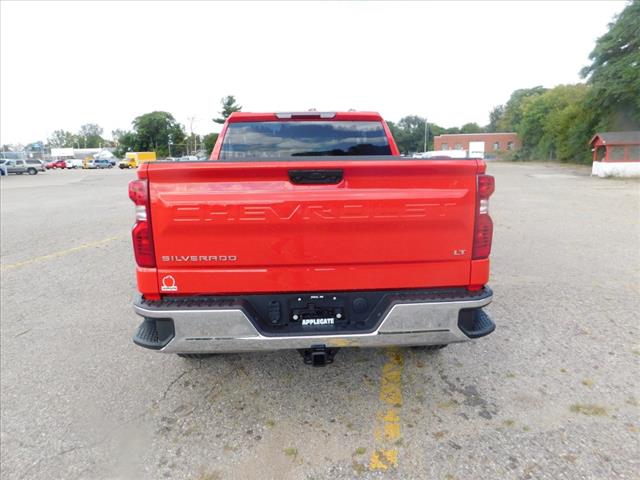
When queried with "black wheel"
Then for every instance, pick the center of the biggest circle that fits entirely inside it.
(32, 171)
(429, 348)
(196, 355)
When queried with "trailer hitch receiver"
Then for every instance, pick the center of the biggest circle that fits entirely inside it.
(318, 355)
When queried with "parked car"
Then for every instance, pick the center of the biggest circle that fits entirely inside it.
(37, 164)
(74, 163)
(56, 164)
(18, 167)
(89, 164)
(102, 163)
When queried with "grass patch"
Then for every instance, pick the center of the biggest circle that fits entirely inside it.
(358, 467)
(291, 452)
(589, 409)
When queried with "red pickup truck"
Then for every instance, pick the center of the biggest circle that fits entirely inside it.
(309, 231)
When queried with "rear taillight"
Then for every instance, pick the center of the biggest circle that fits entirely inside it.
(141, 233)
(483, 231)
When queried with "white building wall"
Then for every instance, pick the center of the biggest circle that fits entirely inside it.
(616, 169)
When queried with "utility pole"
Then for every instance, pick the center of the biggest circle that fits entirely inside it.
(426, 129)
(191, 119)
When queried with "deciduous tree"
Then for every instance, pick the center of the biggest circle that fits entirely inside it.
(90, 136)
(153, 132)
(209, 142)
(61, 139)
(614, 72)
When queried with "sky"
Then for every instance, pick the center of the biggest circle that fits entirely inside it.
(64, 64)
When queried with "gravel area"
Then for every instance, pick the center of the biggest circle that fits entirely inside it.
(552, 393)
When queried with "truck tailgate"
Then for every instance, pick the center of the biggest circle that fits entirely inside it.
(222, 227)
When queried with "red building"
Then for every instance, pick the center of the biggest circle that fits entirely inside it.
(616, 154)
(493, 142)
(616, 147)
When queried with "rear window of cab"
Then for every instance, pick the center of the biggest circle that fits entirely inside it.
(285, 139)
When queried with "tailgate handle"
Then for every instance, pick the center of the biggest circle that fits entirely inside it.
(315, 177)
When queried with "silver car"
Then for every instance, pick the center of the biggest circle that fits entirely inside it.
(37, 164)
(18, 167)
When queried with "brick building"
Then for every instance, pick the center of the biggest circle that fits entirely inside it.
(493, 142)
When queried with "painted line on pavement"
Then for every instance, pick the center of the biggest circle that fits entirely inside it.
(387, 430)
(61, 253)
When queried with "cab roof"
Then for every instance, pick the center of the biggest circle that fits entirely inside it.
(312, 115)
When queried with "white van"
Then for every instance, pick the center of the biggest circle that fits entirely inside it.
(74, 163)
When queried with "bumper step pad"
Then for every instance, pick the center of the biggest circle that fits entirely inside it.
(475, 323)
(154, 333)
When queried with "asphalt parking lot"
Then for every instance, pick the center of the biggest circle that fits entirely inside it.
(552, 393)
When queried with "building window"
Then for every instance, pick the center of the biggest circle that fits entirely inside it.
(458, 146)
(445, 146)
(616, 154)
(509, 145)
(496, 145)
(634, 153)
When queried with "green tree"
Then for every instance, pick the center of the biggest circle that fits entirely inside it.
(614, 73)
(409, 134)
(209, 142)
(557, 124)
(61, 139)
(471, 128)
(154, 131)
(90, 136)
(512, 114)
(229, 105)
(494, 117)
(126, 142)
(116, 135)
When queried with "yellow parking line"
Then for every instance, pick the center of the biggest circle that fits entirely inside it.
(61, 253)
(387, 430)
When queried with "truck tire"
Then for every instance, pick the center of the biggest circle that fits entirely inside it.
(32, 171)
(196, 355)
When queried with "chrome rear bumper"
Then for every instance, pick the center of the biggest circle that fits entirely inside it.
(406, 323)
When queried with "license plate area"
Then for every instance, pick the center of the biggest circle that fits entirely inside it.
(314, 312)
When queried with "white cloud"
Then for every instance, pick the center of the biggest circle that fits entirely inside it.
(69, 63)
